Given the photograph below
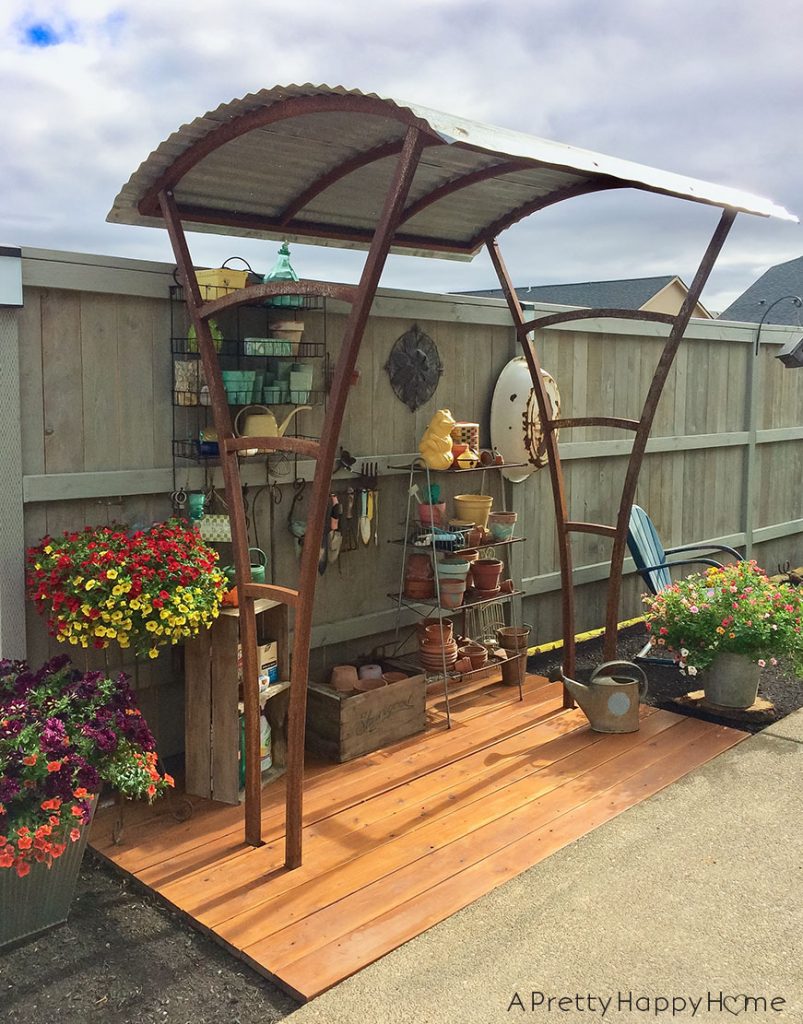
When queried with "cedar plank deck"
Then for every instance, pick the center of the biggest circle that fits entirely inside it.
(398, 840)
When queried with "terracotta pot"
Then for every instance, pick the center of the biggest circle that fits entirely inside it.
(419, 590)
(422, 624)
(462, 665)
(485, 573)
(440, 633)
(502, 517)
(452, 593)
(474, 536)
(506, 587)
(364, 685)
(419, 567)
(394, 677)
(485, 595)
(432, 515)
(344, 678)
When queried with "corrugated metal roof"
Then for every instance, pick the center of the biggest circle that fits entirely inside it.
(230, 180)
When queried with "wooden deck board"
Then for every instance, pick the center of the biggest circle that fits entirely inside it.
(398, 840)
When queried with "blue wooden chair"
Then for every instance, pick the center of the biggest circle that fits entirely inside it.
(653, 562)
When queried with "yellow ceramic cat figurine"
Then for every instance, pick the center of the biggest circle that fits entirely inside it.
(436, 444)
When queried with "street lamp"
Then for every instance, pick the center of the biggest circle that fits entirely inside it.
(791, 354)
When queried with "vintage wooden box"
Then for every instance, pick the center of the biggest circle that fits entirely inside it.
(341, 728)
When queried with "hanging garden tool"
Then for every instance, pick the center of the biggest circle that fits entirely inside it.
(297, 527)
(365, 521)
(335, 536)
(363, 524)
(348, 522)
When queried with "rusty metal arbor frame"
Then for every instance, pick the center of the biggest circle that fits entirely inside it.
(160, 200)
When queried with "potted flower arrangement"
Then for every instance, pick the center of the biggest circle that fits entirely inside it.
(141, 590)
(62, 734)
(727, 623)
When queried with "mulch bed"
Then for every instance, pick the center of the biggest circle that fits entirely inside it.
(122, 958)
(779, 684)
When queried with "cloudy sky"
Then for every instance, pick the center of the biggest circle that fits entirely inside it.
(703, 87)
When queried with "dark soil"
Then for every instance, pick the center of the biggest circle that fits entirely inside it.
(124, 958)
(778, 684)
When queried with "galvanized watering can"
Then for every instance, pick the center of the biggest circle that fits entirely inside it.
(611, 698)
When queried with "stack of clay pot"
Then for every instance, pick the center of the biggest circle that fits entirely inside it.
(437, 646)
(419, 577)
(485, 574)
(476, 654)
(452, 581)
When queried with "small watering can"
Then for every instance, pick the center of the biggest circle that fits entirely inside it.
(259, 561)
(611, 698)
(263, 424)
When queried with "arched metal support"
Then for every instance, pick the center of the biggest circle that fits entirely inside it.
(645, 424)
(564, 525)
(324, 452)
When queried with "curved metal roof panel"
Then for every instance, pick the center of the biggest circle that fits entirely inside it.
(312, 164)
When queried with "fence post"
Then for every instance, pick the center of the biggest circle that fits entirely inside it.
(12, 535)
(752, 397)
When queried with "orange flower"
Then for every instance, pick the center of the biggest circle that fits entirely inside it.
(80, 793)
(29, 759)
(24, 843)
(53, 804)
(169, 779)
(151, 790)
(54, 766)
(6, 858)
(75, 834)
(77, 812)
(23, 867)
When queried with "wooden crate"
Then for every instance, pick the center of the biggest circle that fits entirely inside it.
(341, 728)
(211, 718)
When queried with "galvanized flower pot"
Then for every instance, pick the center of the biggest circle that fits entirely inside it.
(731, 681)
(41, 900)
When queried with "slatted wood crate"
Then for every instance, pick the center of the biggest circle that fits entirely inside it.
(341, 728)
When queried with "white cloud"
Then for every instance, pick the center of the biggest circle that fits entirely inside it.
(713, 90)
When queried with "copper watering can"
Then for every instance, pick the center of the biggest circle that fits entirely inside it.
(263, 424)
(611, 698)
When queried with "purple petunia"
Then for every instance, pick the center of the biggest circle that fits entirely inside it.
(54, 736)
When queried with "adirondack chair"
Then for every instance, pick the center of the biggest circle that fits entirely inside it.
(653, 563)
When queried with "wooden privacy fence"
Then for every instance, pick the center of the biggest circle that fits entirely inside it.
(93, 438)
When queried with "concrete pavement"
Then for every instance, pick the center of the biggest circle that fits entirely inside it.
(686, 907)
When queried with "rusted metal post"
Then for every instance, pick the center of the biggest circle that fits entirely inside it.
(354, 329)
(645, 426)
(239, 533)
(555, 469)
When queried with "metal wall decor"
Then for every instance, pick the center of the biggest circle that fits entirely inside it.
(414, 367)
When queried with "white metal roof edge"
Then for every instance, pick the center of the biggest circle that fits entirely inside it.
(517, 144)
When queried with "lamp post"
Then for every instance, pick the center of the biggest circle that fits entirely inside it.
(795, 298)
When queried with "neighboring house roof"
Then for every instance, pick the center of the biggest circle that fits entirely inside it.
(780, 280)
(627, 293)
